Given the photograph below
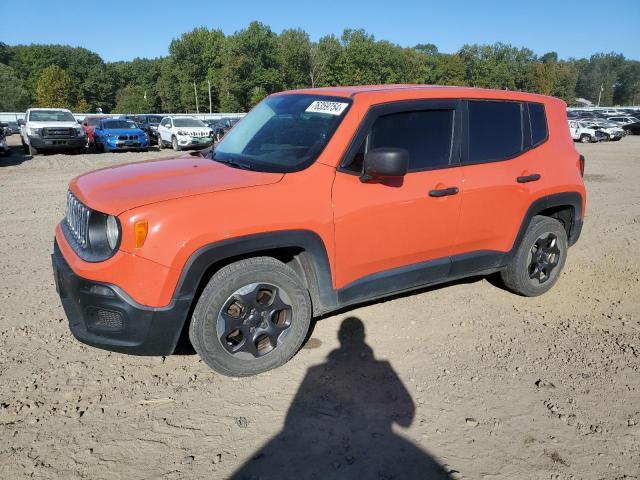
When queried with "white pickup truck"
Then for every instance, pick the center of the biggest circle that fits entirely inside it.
(51, 129)
(581, 132)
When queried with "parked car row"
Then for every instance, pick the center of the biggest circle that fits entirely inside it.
(57, 129)
(596, 125)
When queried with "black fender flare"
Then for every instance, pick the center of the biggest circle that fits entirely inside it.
(314, 261)
(565, 199)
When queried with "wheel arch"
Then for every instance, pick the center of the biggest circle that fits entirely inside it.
(303, 250)
(565, 207)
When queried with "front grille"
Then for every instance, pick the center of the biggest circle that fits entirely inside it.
(199, 134)
(78, 220)
(128, 137)
(58, 132)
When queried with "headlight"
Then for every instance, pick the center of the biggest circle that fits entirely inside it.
(79, 132)
(113, 232)
(93, 235)
(180, 132)
(34, 131)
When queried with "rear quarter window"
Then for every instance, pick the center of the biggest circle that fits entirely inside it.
(538, 122)
(495, 130)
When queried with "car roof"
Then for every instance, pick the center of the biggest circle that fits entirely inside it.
(419, 90)
(51, 109)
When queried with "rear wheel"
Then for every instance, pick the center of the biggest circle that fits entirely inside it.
(537, 264)
(252, 317)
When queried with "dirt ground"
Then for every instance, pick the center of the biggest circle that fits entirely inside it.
(461, 381)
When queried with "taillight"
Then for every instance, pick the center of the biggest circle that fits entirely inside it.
(581, 164)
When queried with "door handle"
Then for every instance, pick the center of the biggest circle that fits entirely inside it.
(443, 192)
(528, 178)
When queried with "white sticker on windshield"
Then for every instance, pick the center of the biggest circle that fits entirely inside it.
(331, 108)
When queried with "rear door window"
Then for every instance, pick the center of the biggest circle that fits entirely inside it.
(495, 130)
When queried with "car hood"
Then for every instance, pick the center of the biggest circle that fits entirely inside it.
(123, 131)
(32, 124)
(116, 189)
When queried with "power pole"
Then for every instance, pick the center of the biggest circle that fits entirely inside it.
(210, 111)
(600, 94)
(195, 91)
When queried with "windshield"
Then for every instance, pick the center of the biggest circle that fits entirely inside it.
(51, 116)
(284, 133)
(117, 124)
(93, 120)
(154, 119)
(187, 122)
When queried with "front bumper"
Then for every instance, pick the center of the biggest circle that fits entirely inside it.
(57, 143)
(115, 144)
(104, 316)
(184, 141)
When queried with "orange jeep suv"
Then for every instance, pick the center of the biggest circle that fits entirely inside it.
(316, 200)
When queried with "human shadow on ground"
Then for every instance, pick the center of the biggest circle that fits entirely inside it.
(339, 424)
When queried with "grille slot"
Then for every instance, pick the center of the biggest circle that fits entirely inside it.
(58, 132)
(78, 220)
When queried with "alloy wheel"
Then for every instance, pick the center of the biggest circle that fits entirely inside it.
(544, 257)
(254, 320)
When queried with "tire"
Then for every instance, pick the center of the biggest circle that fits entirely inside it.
(25, 147)
(174, 144)
(145, 150)
(585, 138)
(524, 275)
(239, 286)
(32, 150)
(160, 145)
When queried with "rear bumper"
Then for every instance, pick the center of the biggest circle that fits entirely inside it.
(58, 143)
(104, 316)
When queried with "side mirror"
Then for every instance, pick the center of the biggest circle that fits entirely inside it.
(21, 122)
(385, 163)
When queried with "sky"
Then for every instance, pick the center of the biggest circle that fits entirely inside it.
(123, 30)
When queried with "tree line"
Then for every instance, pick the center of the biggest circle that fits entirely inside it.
(239, 70)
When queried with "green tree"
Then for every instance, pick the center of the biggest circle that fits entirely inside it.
(131, 99)
(322, 60)
(55, 88)
(13, 97)
(627, 89)
(598, 77)
(294, 52)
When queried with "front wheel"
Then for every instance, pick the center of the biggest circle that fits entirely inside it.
(33, 150)
(252, 317)
(539, 259)
(174, 144)
(585, 138)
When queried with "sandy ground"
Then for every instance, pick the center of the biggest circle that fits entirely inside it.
(463, 381)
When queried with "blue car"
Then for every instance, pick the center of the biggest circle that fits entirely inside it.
(113, 134)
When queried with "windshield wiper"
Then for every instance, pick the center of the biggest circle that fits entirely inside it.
(231, 163)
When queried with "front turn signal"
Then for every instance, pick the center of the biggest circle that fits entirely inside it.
(140, 230)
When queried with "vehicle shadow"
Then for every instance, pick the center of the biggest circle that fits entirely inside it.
(15, 157)
(339, 424)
